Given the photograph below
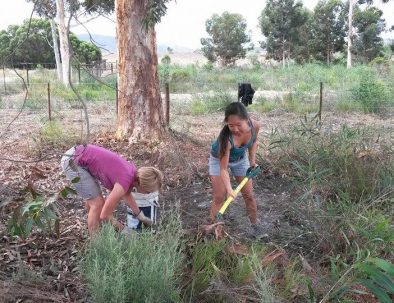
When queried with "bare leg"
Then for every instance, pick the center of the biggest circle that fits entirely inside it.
(94, 207)
(219, 194)
(250, 201)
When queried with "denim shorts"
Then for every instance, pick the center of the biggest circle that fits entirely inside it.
(238, 169)
(87, 186)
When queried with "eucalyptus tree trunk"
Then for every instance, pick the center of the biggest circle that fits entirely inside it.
(64, 41)
(56, 51)
(350, 34)
(140, 111)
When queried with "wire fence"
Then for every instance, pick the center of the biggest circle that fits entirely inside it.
(48, 99)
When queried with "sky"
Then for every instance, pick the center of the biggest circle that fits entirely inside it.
(184, 23)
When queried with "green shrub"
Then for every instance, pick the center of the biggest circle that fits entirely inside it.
(372, 94)
(141, 268)
(35, 213)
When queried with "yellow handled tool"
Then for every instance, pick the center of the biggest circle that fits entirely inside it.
(251, 173)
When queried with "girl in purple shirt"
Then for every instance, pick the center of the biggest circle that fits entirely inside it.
(92, 164)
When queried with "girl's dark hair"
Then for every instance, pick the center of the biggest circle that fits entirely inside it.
(234, 108)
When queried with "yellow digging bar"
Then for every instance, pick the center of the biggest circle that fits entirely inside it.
(251, 173)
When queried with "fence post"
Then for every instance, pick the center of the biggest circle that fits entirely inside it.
(5, 89)
(116, 88)
(320, 101)
(167, 103)
(112, 68)
(79, 73)
(27, 74)
(49, 102)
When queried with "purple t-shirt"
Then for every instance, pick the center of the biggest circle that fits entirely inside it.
(106, 166)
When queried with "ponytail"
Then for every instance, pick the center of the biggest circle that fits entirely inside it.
(224, 136)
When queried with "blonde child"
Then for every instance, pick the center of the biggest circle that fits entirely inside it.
(92, 165)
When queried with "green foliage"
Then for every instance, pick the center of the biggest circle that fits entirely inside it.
(36, 212)
(335, 162)
(328, 29)
(372, 94)
(282, 36)
(154, 11)
(211, 261)
(203, 104)
(140, 268)
(227, 38)
(164, 69)
(208, 259)
(85, 52)
(369, 25)
(32, 42)
(376, 274)
(379, 280)
(29, 42)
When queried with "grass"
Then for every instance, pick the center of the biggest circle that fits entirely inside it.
(143, 268)
(362, 88)
(346, 178)
(218, 274)
(55, 134)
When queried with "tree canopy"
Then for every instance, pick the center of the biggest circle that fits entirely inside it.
(228, 40)
(36, 47)
(280, 22)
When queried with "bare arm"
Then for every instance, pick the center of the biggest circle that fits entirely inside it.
(132, 204)
(112, 202)
(253, 148)
(224, 171)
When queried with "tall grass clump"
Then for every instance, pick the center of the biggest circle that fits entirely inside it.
(141, 268)
(217, 274)
(372, 93)
(346, 178)
(344, 163)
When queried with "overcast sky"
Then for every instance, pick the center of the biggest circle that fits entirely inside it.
(184, 24)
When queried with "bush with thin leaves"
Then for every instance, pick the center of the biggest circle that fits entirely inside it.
(141, 268)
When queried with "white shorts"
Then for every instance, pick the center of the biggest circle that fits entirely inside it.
(87, 186)
(238, 169)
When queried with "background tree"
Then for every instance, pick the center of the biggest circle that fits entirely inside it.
(301, 49)
(36, 47)
(47, 9)
(4, 45)
(328, 29)
(369, 25)
(85, 52)
(279, 23)
(228, 39)
(350, 35)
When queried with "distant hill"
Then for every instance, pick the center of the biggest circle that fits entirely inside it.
(108, 44)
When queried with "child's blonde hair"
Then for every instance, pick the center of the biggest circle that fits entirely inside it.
(150, 179)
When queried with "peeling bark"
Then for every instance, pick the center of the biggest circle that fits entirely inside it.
(140, 111)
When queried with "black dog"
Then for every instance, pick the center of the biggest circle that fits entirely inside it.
(245, 93)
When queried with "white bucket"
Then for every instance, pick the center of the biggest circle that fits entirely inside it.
(146, 202)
